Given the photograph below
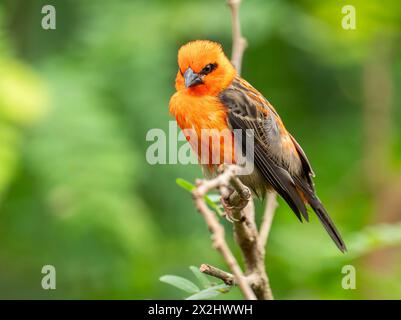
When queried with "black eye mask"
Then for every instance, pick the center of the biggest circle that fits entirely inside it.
(208, 68)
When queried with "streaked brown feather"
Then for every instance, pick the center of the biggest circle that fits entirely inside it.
(277, 156)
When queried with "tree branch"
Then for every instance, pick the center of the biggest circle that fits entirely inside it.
(271, 205)
(245, 233)
(239, 42)
(226, 277)
(247, 237)
(217, 230)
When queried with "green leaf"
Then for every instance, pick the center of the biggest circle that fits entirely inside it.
(210, 199)
(186, 185)
(209, 293)
(215, 198)
(202, 278)
(180, 283)
(214, 206)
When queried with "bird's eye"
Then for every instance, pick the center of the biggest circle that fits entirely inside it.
(208, 68)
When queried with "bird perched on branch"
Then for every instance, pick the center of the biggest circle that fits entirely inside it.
(211, 96)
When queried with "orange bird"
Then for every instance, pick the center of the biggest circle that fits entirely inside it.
(212, 96)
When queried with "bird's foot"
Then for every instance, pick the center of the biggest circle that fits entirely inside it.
(230, 207)
(228, 211)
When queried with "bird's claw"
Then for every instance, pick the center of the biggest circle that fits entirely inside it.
(228, 209)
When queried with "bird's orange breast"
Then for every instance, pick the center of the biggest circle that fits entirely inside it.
(206, 118)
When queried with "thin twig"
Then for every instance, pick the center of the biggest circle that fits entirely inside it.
(239, 42)
(271, 205)
(226, 277)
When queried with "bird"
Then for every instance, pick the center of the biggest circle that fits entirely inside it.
(211, 95)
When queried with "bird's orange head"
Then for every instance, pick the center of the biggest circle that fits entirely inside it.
(204, 69)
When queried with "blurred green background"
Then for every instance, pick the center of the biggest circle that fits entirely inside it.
(76, 103)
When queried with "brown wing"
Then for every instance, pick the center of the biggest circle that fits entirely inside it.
(249, 110)
(276, 154)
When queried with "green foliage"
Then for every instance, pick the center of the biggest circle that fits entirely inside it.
(202, 278)
(373, 238)
(208, 289)
(213, 200)
(22, 103)
(209, 293)
(180, 283)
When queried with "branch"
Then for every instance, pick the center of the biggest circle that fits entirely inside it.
(245, 232)
(239, 42)
(226, 277)
(217, 230)
(271, 205)
(247, 236)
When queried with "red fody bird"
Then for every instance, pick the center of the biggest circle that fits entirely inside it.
(212, 96)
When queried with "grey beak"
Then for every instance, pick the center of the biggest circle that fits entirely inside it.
(191, 78)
